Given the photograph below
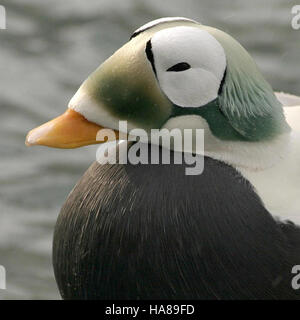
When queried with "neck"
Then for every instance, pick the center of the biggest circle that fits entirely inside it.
(240, 154)
(249, 155)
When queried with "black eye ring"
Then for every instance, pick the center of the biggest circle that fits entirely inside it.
(182, 66)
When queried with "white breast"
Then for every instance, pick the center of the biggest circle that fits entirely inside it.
(279, 186)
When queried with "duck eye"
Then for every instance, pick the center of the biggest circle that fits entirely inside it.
(180, 67)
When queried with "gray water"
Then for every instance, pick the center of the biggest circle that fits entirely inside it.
(48, 49)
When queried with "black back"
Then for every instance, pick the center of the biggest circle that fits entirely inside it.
(152, 232)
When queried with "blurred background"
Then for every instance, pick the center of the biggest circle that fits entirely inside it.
(48, 49)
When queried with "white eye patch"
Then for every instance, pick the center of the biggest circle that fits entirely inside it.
(190, 65)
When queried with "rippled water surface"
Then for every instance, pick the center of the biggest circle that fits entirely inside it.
(48, 49)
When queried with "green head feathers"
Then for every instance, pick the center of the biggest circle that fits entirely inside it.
(176, 67)
(247, 100)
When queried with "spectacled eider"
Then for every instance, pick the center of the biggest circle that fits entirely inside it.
(150, 231)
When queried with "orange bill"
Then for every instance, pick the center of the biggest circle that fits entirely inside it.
(70, 130)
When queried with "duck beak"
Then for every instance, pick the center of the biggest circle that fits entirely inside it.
(68, 131)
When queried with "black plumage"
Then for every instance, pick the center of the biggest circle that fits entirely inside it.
(152, 232)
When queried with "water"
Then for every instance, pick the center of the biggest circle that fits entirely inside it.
(48, 49)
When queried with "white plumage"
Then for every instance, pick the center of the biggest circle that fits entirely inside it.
(291, 105)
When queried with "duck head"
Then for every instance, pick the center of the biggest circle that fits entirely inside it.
(173, 73)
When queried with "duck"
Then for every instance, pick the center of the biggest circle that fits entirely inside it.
(149, 231)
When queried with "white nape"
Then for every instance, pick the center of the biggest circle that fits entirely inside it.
(288, 100)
